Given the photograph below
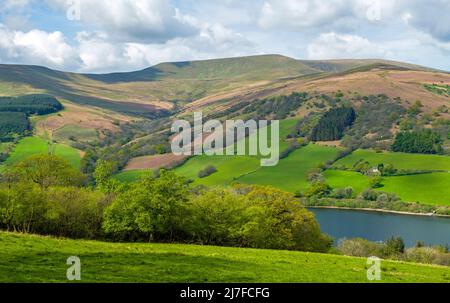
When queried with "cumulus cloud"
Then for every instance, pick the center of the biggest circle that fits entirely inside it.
(343, 46)
(133, 20)
(36, 47)
(345, 14)
(122, 35)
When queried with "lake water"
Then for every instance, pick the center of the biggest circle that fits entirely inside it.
(376, 226)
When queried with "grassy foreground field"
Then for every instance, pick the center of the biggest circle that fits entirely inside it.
(26, 258)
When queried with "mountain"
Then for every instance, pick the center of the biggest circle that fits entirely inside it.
(216, 84)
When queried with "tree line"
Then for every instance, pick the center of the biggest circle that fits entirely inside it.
(45, 195)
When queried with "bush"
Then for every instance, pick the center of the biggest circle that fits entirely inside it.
(208, 171)
(69, 211)
(360, 248)
(318, 189)
(342, 193)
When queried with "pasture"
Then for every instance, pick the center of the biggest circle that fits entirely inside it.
(33, 145)
(398, 160)
(290, 173)
(433, 188)
(29, 258)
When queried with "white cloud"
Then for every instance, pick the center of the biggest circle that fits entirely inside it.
(343, 46)
(132, 20)
(331, 14)
(36, 47)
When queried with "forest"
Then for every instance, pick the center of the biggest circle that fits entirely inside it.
(418, 142)
(14, 113)
(333, 124)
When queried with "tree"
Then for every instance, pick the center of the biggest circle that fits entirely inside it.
(152, 207)
(376, 182)
(423, 142)
(103, 173)
(46, 171)
(318, 189)
(396, 245)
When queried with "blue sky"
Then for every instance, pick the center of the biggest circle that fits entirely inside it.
(123, 35)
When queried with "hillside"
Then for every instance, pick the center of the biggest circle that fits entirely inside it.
(27, 258)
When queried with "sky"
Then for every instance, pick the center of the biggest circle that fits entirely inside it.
(122, 35)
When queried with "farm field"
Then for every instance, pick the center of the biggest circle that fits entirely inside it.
(229, 168)
(398, 160)
(33, 145)
(343, 179)
(433, 188)
(29, 258)
(290, 173)
(426, 188)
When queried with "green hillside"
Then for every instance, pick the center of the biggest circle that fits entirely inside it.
(131, 92)
(290, 173)
(33, 145)
(27, 258)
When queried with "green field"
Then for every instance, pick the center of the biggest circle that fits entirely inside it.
(132, 175)
(290, 173)
(27, 258)
(229, 168)
(32, 145)
(343, 179)
(399, 160)
(426, 188)
(431, 188)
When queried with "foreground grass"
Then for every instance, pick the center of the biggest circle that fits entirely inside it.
(25, 258)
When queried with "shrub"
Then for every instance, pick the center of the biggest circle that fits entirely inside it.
(208, 171)
(360, 248)
(318, 189)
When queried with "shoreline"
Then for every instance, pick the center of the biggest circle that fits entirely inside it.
(382, 211)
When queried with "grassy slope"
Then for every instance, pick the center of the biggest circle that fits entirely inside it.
(290, 173)
(399, 160)
(229, 168)
(41, 259)
(32, 145)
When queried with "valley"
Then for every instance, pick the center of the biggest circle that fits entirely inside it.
(96, 175)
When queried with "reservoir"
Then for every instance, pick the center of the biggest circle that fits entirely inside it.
(378, 226)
